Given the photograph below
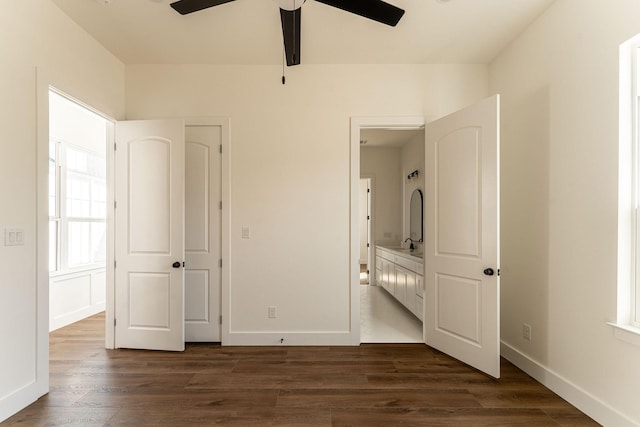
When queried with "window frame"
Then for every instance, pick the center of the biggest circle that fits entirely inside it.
(634, 297)
(627, 316)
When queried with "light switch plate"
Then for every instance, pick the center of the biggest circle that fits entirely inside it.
(13, 237)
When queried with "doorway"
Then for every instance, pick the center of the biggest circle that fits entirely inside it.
(77, 210)
(387, 155)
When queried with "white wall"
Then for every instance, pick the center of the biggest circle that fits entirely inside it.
(365, 216)
(559, 87)
(34, 33)
(383, 165)
(412, 157)
(290, 178)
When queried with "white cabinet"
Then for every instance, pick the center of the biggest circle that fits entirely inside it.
(385, 274)
(401, 275)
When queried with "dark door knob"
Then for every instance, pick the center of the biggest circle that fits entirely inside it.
(488, 272)
(176, 264)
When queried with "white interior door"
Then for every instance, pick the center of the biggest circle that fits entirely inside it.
(202, 232)
(462, 254)
(149, 235)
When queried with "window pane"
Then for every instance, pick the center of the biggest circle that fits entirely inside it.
(86, 185)
(98, 199)
(53, 245)
(87, 243)
(98, 242)
(78, 244)
(78, 196)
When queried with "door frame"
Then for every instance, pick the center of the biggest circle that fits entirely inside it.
(357, 124)
(44, 83)
(224, 123)
(370, 224)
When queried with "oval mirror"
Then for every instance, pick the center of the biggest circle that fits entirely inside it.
(416, 216)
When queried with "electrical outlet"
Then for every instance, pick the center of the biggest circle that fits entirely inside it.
(526, 332)
(271, 312)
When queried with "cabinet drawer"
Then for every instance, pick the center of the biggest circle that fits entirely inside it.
(405, 262)
(384, 254)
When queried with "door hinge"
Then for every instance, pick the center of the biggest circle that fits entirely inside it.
(367, 271)
(220, 263)
(220, 205)
(220, 148)
(115, 205)
(368, 245)
(114, 264)
(114, 321)
(220, 319)
(115, 146)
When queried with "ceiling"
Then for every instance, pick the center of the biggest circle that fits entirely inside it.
(390, 138)
(249, 32)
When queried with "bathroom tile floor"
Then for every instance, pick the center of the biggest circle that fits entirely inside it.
(384, 320)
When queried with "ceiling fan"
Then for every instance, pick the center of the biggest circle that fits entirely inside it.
(290, 15)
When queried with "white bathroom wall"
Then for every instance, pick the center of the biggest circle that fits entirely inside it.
(289, 172)
(559, 88)
(383, 164)
(363, 205)
(412, 157)
(34, 33)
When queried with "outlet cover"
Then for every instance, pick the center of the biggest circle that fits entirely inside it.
(272, 312)
(526, 332)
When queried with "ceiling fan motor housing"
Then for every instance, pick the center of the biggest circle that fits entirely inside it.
(290, 4)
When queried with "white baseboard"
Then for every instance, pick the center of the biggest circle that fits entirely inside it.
(289, 338)
(20, 399)
(69, 318)
(581, 399)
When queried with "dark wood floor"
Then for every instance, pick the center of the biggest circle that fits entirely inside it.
(370, 385)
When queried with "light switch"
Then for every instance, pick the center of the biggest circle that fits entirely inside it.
(246, 232)
(13, 237)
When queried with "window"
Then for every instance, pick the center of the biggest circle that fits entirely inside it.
(627, 322)
(634, 296)
(77, 208)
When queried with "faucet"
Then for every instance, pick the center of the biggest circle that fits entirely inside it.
(411, 247)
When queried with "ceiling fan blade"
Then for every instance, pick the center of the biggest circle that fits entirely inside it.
(376, 10)
(291, 34)
(184, 7)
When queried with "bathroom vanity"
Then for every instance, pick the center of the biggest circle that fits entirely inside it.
(400, 272)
